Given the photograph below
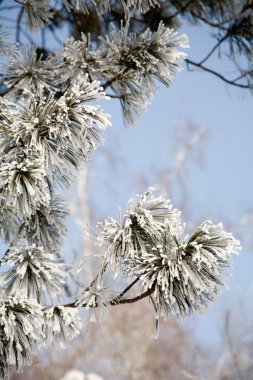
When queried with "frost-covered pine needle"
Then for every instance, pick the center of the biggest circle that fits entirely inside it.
(38, 13)
(29, 71)
(21, 322)
(33, 272)
(134, 61)
(142, 226)
(61, 325)
(183, 275)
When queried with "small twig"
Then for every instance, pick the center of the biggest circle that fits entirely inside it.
(120, 301)
(118, 76)
(242, 75)
(210, 23)
(20, 15)
(182, 9)
(116, 299)
(204, 68)
(214, 48)
(10, 7)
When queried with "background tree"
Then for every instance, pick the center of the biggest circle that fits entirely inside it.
(45, 136)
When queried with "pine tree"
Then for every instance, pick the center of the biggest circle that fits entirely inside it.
(50, 123)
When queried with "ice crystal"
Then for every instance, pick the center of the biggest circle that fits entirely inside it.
(8, 221)
(81, 5)
(33, 272)
(141, 5)
(6, 48)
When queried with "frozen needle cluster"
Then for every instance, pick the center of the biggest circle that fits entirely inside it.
(181, 274)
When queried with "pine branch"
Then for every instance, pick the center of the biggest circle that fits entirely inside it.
(116, 302)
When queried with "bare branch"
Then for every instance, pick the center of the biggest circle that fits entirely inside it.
(214, 48)
(218, 75)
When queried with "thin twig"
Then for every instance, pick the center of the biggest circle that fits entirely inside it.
(214, 48)
(120, 301)
(20, 15)
(116, 299)
(182, 9)
(218, 75)
(10, 7)
(212, 24)
(117, 77)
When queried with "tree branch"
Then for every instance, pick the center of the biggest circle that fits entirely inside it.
(214, 48)
(20, 15)
(182, 9)
(119, 301)
(116, 299)
(218, 75)
(218, 25)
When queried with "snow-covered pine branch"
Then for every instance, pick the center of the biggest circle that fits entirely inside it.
(50, 123)
(183, 273)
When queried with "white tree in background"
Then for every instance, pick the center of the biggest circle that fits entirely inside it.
(49, 124)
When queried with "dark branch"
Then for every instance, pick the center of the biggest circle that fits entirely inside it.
(118, 301)
(218, 75)
(125, 290)
(179, 11)
(20, 15)
(214, 48)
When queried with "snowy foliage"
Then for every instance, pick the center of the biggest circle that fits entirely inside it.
(29, 71)
(133, 62)
(33, 272)
(61, 325)
(37, 12)
(78, 58)
(183, 274)
(6, 48)
(96, 296)
(142, 226)
(46, 225)
(50, 122)
(21, 322)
